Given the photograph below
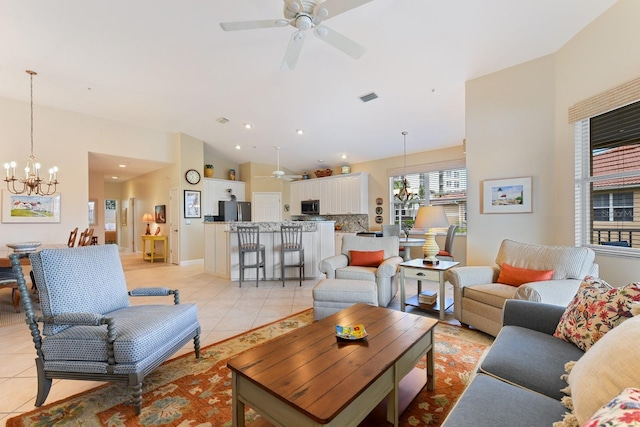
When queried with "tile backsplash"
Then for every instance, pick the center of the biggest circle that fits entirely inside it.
(348, 223)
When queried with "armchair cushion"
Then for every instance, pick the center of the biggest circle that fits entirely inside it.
(514, 276)
(366, 258)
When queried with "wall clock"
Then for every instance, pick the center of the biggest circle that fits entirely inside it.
(192, 176)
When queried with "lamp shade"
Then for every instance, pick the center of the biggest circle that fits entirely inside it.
(431, 217)
(147, 217)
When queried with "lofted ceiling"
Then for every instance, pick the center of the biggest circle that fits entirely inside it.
(167, 65)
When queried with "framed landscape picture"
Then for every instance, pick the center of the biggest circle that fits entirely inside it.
(161, 216)
(18, 208)
(510, 195)
(192, 204)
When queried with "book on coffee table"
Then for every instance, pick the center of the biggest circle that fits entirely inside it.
(427, 297)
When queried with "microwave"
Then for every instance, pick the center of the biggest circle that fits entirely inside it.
(310, 207)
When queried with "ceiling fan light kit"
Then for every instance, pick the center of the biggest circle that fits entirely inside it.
(304, 16)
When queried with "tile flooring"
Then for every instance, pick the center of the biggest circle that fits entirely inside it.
(224, 310)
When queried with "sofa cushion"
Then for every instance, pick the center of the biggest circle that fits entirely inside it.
(566, 262)
(490, 402)
(530, 359)
(366, 258)
(596, 309)
(493, 294)
(87, 279)
(514, 276)
(609, 367)
(621, 411)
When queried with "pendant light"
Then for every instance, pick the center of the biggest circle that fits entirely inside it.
(32, 182)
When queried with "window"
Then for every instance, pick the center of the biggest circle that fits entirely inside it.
(447, 187)
(608, 179)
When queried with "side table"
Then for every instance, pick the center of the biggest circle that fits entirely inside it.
(416, 269)
(151, 255)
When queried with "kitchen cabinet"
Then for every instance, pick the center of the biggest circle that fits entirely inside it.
(217, 189)
(338, 195)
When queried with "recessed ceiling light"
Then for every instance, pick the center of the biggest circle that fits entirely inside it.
(114, 177)
(237, 147)
(247, 125)
(122, 166)
(299, 131)
(320, 161)
(344, 156)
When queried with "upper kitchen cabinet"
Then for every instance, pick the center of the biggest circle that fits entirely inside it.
(338, 195)
(220, 189)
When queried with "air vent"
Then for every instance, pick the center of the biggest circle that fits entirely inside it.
(222, 120)
(368, 97)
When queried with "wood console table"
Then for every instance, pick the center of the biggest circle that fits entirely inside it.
(151, 255)
(308, 377)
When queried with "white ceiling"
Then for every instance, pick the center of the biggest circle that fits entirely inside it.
(166, 64)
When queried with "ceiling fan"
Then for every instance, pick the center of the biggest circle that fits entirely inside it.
(305, 15)
(280, 174)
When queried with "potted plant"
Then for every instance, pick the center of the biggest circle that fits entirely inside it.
(208, 171)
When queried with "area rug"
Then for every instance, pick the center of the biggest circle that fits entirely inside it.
(131, 263)
(197, 392)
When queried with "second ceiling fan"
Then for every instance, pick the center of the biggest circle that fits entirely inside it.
(306, 15)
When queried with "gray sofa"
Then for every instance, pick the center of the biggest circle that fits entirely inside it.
(519, 381)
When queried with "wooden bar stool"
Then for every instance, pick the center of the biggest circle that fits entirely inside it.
(291, 238)
(249, 242)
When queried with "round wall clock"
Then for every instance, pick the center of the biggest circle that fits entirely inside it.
(192, 176)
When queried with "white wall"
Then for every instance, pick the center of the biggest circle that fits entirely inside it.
(64, 139)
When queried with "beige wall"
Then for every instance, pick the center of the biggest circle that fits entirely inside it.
(64, 139)
(516, 125)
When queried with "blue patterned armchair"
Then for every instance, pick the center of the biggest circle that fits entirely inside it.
(89, 329)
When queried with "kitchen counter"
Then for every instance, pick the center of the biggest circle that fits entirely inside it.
(221, 256)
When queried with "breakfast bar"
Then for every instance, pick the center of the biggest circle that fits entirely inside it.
(221, 255)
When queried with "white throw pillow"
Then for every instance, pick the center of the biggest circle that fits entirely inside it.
(610, 366)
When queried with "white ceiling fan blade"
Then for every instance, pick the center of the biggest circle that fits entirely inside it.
(293, 51)
(339, 41)
(252, 25)
(330, 8)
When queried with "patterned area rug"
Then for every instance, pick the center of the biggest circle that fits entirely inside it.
(197, 392)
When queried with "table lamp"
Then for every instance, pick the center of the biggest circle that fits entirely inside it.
(147, 218)
(430, 217)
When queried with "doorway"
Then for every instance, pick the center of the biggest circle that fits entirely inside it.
(266, 207)
(174, 226)
(110, 221)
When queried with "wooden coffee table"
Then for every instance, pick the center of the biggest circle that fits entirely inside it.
(308, 377)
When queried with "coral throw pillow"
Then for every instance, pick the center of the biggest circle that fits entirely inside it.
(596, 309)
(366, 258)
(514, 276)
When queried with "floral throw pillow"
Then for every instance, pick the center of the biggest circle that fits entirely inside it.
(596, 309)
(623, 410)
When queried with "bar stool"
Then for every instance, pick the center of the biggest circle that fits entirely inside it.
(291, 238)
(249, 242)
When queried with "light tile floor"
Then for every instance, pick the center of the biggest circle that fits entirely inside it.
(224, 310)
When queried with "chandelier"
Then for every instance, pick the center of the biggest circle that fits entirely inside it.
(32, 181)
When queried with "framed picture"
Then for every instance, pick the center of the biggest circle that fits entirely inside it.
(161, 217)
(510, 195)
(124, 217)
(192, 204)
(18, 208)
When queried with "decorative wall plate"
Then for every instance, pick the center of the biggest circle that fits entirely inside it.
(379, 201)
(378, 220)
(378, 210)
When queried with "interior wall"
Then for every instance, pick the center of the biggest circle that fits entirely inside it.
(191, 156)
(64, 139)
(221, 165)
(604, 55)
(510, 133)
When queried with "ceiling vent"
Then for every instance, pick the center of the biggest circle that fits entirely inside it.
(368, 97)
(222, 120)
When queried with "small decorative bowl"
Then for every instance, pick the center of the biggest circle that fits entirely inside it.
(24, 246)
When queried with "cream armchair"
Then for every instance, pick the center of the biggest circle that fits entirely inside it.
(338, 266)
(478, 299)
